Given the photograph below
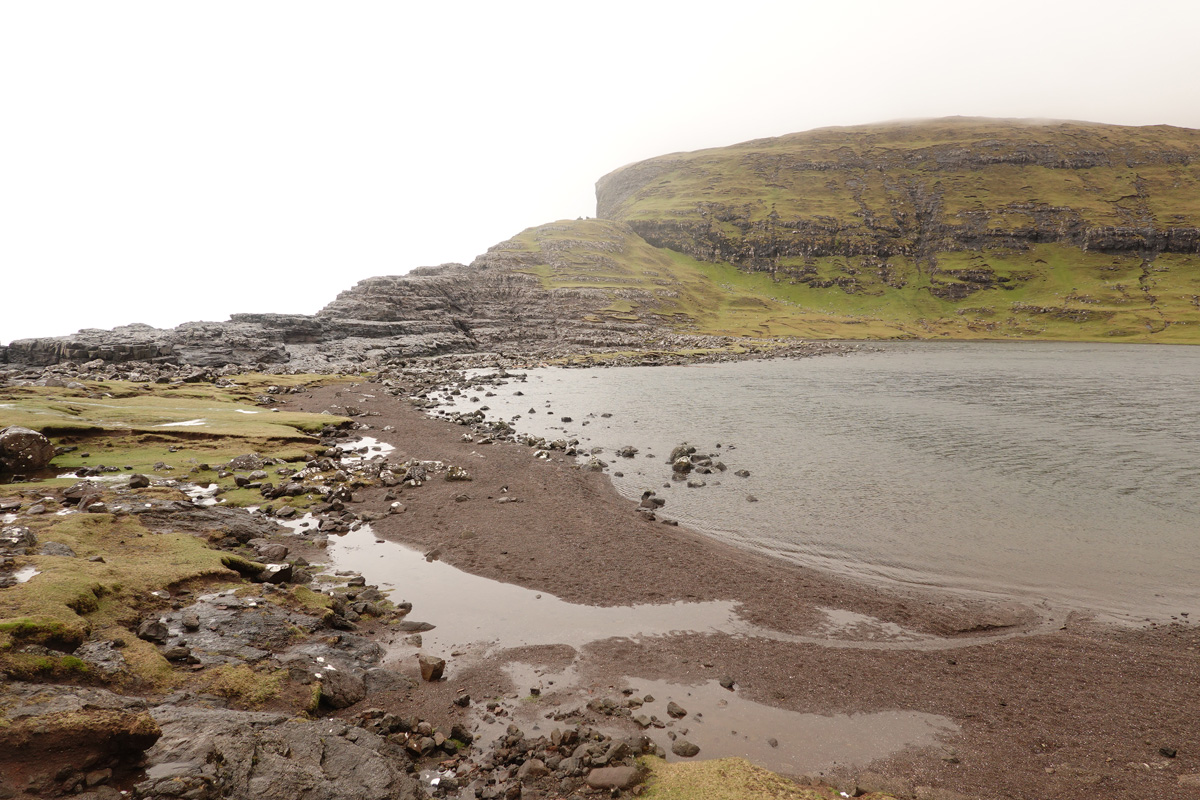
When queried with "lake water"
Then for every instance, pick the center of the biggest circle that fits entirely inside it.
(1064, 473)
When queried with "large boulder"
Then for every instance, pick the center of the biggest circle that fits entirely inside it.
(22, 449)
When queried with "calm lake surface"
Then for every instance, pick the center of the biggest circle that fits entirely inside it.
(1064, 473)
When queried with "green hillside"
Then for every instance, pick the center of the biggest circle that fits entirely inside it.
(956, 228)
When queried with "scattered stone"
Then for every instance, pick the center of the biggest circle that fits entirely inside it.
(250, 461)
(432, 667)
(413, 626)
(275, 573)
(651, 501)
(17, 536)
(153, 630)
(271, 552)
(534, 768)
(457, 474)
(178, 653)
(726, 682)
(684, 749)
(675, 710)
(138, 481)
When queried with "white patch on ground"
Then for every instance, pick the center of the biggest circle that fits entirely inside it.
(23, 575)
(114, 478)
(188, 423)
(374, 447)
(843, 624)
(202, 495)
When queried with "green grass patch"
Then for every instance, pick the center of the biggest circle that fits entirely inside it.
(135, 427)
(726, 779)
(243, 685)
(71, 596)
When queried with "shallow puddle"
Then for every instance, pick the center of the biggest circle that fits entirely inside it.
(480, 615)
(470, 610)
(722, 723)
(363, 449)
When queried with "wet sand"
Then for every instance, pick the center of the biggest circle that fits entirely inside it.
(1043, 705)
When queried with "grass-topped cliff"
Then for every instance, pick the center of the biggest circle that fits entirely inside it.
(962, 228)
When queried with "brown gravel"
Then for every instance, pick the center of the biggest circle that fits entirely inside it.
(1073, 710)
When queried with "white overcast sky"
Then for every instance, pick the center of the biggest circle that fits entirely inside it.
(165, 161)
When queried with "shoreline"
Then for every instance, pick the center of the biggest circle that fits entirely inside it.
(576, 537)
(953, 698)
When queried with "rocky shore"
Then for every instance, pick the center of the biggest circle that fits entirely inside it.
(273, 675)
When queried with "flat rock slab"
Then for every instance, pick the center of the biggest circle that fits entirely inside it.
(234, 629)
(245, 755)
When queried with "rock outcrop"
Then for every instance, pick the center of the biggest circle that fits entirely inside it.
(494, 303)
